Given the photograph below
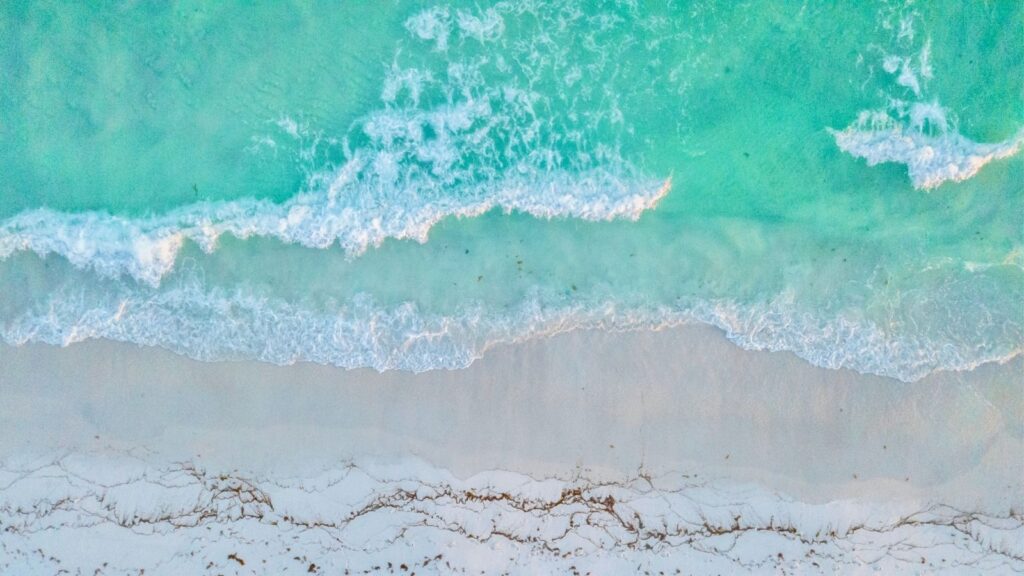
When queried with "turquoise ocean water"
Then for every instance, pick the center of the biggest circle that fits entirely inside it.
(400, 185)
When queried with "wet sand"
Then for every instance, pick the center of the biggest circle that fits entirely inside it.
(680, 400)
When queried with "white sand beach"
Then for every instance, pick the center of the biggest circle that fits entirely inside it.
(756, 428)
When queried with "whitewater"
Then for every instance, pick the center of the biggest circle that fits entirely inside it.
(487, 176)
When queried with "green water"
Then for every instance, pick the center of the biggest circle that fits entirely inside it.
(136, 109)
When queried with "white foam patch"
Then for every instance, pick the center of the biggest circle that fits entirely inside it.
(487, 26)
(931, 159)
(111, 512)
(433, 24)
(215, 324)
(919, 134)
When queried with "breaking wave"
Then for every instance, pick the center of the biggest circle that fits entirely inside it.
(918, 133)
(352, 213)
(931, 157)
(456, 135)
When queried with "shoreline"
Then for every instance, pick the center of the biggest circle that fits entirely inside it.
(608, 404)
(588, 452)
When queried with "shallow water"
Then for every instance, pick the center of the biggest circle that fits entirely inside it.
(402, 188)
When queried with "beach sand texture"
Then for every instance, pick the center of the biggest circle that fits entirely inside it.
(762, 436)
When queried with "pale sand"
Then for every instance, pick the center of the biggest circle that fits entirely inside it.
(683, 400)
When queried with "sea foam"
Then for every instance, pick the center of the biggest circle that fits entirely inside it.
(452, 136)
(353, 213)
(918, 133)
(931, 158)
(207, 324)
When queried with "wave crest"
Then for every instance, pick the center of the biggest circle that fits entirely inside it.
(919, 134)
(931, 159)
(349, 213)
(457, 134)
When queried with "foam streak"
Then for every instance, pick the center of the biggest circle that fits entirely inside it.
(214, 324)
